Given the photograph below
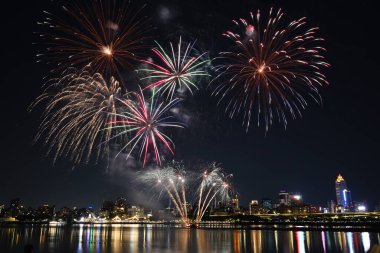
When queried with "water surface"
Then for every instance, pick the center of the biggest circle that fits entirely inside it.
(168, 239)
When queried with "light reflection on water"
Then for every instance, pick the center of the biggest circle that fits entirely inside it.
(147, 238)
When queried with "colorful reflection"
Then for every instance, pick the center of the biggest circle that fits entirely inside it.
(128, 238)
(300, 240)
(366, 241)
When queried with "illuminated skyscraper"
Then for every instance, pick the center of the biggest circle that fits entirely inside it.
(283, 198)
(254, 207)
(235, 203)
(343, 194)
(267, 204)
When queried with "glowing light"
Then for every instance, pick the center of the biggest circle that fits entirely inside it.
(300, 239)
(249, 30)
(344, 196)
(323, 241)
(107, 51)
(350, 242)
(261, 69)
(339, 179)
(366, 241)
(297, 197)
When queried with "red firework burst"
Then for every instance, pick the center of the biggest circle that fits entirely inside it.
(272, 69)
(144, 121)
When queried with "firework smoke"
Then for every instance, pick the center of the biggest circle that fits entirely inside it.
(175, 182)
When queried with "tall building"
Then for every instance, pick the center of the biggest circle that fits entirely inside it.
(254, 207)
(377, 207)
(343, 194)
(283, 198)
(235, 204)
(15, 207)
(2, 207)
(331, 207)
(267, 204)
(136, 212)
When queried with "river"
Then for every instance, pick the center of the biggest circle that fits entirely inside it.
(169, 239)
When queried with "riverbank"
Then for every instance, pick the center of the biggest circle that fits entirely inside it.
(294, 226)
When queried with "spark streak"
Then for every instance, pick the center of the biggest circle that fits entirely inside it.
(272, 69)
(178, 70)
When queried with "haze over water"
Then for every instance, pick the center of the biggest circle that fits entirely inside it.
(168, 239)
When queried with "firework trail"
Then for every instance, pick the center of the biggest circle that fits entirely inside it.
(79, 106)
(173, 180)
(272, 69)
(143, 121)
(213, 183)
(178, 69)
(106, 33)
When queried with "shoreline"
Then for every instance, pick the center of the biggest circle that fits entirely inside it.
(287, 226)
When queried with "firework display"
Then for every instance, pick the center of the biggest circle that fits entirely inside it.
(179, 69)
(272, 69)
(174, 181)
(213, 183)
(79, 106)
(144, 121)
(171, 180)
(107, 34)
(269, 74)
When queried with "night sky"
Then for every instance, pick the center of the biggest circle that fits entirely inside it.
(341, 136)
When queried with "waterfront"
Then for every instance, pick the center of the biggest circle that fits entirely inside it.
(119, 238)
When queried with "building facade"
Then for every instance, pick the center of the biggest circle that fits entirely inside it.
(267, 203)
(283, 198)
(343, 194)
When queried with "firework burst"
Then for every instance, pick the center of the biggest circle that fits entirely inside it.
(107, 34)
(272, 70)
(174, 181)
(213, 183)
(80, 104)
(143, 121)
(179, 69)
(170, 180)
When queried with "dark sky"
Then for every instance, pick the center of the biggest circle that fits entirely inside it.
(342, 136)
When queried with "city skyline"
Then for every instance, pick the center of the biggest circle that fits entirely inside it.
(283, 197)
(339, 137)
